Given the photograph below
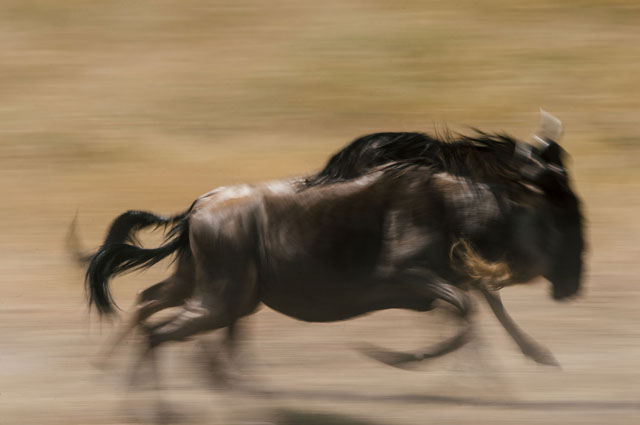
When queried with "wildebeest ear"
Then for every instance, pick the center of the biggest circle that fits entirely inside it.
(549, 130)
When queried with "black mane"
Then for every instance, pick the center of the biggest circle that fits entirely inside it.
(481, 156)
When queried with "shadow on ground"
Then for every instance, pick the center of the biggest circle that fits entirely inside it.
(300, 417)
(452, 400)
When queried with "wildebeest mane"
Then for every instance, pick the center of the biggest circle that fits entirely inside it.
(481, 156)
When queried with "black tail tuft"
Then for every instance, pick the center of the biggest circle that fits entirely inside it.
(120, 252)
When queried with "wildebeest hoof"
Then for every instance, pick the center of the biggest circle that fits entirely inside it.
(398, 359)
(543, 356)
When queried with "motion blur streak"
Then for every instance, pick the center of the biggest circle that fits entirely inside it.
(110, 106)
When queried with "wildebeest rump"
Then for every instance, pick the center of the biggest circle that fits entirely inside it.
(338, 245)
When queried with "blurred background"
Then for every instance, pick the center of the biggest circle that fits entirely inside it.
(108, 106)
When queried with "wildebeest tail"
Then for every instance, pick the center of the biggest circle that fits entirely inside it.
(121, 252)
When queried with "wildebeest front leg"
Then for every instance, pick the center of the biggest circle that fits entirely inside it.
(426, 285)
(528, 345)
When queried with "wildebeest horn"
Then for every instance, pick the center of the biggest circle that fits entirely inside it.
(549, 130)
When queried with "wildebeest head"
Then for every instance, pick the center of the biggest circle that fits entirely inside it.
(543, 166)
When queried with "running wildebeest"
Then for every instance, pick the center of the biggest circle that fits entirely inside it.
(395, 220)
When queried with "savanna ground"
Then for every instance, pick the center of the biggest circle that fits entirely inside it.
(108, 106)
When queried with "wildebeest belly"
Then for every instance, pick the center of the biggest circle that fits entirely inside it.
(317, 298)
(335, 262)
(320, 271)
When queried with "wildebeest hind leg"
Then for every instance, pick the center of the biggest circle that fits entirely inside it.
(143, 311)
(194, 318)
(425, 285)
(165, 294)
(528, 345)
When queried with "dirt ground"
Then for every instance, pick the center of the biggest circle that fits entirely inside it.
(108, 106)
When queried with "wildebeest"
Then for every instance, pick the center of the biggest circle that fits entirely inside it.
(395, 220)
